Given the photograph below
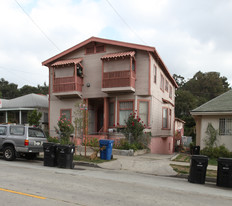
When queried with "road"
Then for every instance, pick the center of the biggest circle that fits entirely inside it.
(27, 183)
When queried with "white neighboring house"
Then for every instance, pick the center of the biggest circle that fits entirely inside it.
(218, 112)
(16, 110)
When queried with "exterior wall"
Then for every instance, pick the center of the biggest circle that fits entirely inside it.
(224, 139)
(161, 145)
(117, 65)
(64, 71)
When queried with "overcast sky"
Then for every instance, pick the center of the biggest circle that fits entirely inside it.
(189, 35)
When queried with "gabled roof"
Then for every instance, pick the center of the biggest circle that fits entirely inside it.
(153, 51)
(27, 101)
(222, 103)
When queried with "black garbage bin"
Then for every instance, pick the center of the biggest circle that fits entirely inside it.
(65, 156)
(198, 168)
(49, 149)
(224, 172)
(195, 150)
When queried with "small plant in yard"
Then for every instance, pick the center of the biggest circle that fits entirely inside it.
(136, 138)
(34, 118)
(64, 129)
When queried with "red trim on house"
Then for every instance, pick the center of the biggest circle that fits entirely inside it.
(49, 97)
(106, 115)
(149, 76)
(163, 128)
(167, 102)
(116, 43)
(148, 112)
(102, 73)
(118, 108)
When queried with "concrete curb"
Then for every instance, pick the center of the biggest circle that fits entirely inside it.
(207, 179)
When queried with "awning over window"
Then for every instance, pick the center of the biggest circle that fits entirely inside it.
(67, 61)
(118, 55)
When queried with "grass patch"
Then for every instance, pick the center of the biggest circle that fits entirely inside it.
(182, 158)
(185, 170)
(87, 159)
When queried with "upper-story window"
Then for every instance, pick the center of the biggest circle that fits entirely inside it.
(155, 73)
(166, 85)
(170, 91)
(162, 82)
(94, 49)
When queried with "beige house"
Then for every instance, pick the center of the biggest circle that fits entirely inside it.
(114, 79)
(218, 112)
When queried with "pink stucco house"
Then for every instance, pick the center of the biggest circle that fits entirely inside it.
(114, 79)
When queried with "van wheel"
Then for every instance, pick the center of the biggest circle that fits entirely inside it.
(9, 153)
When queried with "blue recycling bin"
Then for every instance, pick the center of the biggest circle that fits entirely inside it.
(105, 154)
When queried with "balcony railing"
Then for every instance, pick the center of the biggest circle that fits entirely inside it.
(119, 79)
(67, 84)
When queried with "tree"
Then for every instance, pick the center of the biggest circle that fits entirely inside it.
(34, 118)
(8, 90)
(179, 80)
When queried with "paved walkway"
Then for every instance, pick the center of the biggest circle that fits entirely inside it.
(148, 163)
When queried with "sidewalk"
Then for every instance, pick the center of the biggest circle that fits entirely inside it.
(154, 164)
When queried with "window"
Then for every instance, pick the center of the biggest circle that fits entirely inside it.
(2, 130)
(17, 130)
(155, 73)
(170, 92)
(225, 126)
(165, 118)
(162, 82)
(111, 114)
(36, 132)
(91, 49)
(166, 85)
(66, 113)
(133, 65)
(125, 108)
(100, 48)
(143, 111)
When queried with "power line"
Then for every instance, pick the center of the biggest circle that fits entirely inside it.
(38, 27)
(122, 19)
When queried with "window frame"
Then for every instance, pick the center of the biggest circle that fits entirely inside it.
(169, 117)
(170, 91)
(118, 109)
(155, 73)
(225, 133)
(162, 82)
(148, 110)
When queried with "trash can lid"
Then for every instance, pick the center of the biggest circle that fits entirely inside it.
(199, 157)
(106, 141)
(224, 159)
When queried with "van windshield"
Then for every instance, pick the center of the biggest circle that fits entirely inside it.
(36, 132)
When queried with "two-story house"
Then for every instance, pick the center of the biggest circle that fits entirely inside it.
(114, 79)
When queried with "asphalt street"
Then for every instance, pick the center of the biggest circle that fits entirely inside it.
(27, 183)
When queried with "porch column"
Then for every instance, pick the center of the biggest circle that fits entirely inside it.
(20, 117)
(6, 117)
(106, 114)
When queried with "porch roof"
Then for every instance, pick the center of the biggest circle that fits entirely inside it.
(117, 55)
(26, 101)
(67, 61)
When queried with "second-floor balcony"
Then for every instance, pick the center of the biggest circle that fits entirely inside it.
(118, 81)
(65, 87)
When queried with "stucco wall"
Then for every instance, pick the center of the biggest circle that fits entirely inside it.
(214, 120)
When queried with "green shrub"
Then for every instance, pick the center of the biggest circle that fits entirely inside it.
(216, 152)
(93, 142)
